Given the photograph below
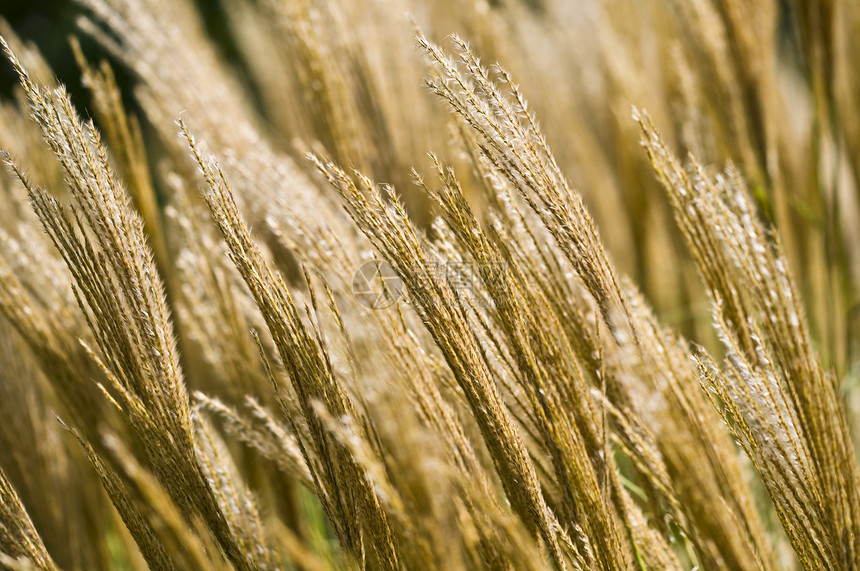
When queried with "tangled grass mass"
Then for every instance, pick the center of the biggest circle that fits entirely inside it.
(334, 298)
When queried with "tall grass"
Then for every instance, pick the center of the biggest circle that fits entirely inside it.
(619, 339)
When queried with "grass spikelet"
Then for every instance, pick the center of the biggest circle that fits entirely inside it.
(643, 358)
(305, 357)
(388, 227)
(799, 442)
(19, 540)
(118, 286)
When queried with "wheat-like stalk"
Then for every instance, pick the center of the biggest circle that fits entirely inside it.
(349, 320)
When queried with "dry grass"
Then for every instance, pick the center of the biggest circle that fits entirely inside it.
(191, 378)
